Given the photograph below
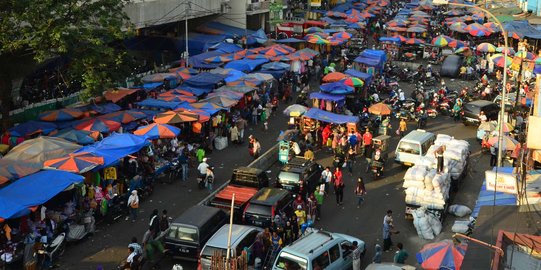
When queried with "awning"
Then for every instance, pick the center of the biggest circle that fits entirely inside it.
(204, 80)
(246, 65)
(290, 40)
(115, 147)
(160, 104)
(198, 61)
(330, 117)
(325, 96)
(32, 127)
(486, 197)
(226, 47)
(371, 62)
(33, 190)
(367, 78)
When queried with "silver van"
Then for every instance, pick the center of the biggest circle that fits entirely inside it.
(241, 236)
(413, 146)
(318, 250)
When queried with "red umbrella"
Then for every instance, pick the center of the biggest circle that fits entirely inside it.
(334, 77)
(155, 131)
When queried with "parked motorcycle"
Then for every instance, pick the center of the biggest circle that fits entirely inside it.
(50, 253)
(86, 226)
(175, 171)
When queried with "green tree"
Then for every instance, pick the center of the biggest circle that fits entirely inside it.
(88, 32)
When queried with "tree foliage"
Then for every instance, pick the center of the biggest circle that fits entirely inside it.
(86, 31)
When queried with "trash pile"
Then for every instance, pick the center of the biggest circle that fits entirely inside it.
(427, 225)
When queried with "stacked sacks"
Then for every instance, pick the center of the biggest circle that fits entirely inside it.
(426, 224)
(455, 155)
(424, 187)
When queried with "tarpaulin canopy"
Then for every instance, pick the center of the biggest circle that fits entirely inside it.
(41, 149)
(198, 43)
(12, 170)
(226, 47)
(521, 29)
(197, 91)
(198, 61)
(246, 65)
(290, 40)
(32, 127)
(34, 190)
(258, 37)
(160, 104)
(115, 95)
(325, 96)
(81, 137)
(390, 39)
(330, 117)
(367, 78)
(337, 88)
(103, 108)
(115, 147)
(277, 74)
(204, 80)
(241, 89)
(231, 74)
(217, 28)
(371, 62)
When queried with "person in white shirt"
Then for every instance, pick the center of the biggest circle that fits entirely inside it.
(326, 177)
(401, 96)
(482, 117)
(375, 97)
(202, 168)
(131, 258)
(133, 205)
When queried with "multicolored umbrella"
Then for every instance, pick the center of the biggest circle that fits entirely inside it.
(61, 115)
(414, 41)
(397, 23)
(510, 51)
(315, 39)
(379, 109)
(342, 35)
(480, 32)
(462, 50)
(334, 77)
(442, 255)
(353, 81)
(313, 30)
(501, 60)
(295, 110)
(416, 29)
(124, 117)
(157, 131)
(456, 44)
(525, 55)
(458, 27)
(441, 40)
(98, 124)
(75, 163)
(486, 47)
(174, 117)
(509, 143)
(492, 26)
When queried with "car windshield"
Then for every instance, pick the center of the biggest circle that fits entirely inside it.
(183, 233)
(410, 148)
(287, 261)
(288, 177)
(258, 209)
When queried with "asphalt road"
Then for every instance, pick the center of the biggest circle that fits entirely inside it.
(109, 244)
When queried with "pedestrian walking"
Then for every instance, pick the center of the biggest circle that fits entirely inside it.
(439, 158)
(300, 214)
(388, 217)
(234, 133)
(326, 178)
(338, 186)
(360, 191)
(133, 205)
(154, 224)
(493, 155)
(402, 127)
(387, 232)
(319, 194)
(183, 161)
(256, 148)
(200, 153)
(164, 221)
(367, 142)
(311, 205)
(209, 179)
(401, 255)
(356, 255)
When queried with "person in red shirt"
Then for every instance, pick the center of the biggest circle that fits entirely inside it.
(367, 142)
(338, 186)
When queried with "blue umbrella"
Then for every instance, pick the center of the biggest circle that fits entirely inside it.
(32, 127)
(81, 137)
(337, 88)
(275, 66)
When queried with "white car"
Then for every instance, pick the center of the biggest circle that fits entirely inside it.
(389, 266)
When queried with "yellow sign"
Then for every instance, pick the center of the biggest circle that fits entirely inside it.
(110, 173)
(315, 3)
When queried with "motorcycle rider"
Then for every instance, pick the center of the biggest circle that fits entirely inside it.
(378, 161)
(202, 168)
(401, 95)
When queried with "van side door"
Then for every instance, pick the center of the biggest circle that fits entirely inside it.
(347, 252)
(337, 262)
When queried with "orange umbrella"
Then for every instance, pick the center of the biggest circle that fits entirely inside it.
(76, 163)
(117, 94)
(379, 109)
(204, 116)
(334, 77)
(175, 92)
(124, 117)
(155, 131)
(173, 117)
(98, 124)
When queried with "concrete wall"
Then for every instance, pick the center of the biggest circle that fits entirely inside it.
(236, 16)
(144, 13)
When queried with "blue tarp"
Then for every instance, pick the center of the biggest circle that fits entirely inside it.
(486, 197)
(31, 127)
(390, 40)
(33, 190)
(101, 108)
(290, 40)
(223, 29)
(381, 55)
(246, 65)
(198, 43)
(160, 104)
(197, 91)
(152, 85)
(226, 47)
(115, 147)
(209, 111)
(277, 74)
(325, 96)
(371, 62)
(330, 117)
(522, 28)
(205, 80)
(259, 37)
(367, 78)
(275, 66)
(81, 137)
(198, 61)
(149, 113)
(337, 88)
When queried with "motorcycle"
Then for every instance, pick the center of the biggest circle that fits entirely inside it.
(432, 113)
(421, 121)
(203, 178)
(78, 231)
(51, 252)
(174, 171)
(377, 169)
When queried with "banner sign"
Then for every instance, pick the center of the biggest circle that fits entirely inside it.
(283, 152)
(502, 182)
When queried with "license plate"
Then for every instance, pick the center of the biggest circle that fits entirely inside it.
(184, 250)
(258, 223)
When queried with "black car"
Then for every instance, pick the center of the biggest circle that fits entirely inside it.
(471, 111)
(188, 233)
(265, 204)
(300, 175)
(249, 177)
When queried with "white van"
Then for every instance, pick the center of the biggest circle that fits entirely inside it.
(413, 146)
(242, 236)
(318, 250)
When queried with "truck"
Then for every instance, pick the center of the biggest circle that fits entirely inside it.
(244, 183)
(296, 27)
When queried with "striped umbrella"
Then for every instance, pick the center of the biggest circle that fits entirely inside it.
(313, 30)
(416, 29)
(157, 131)
(98, 124)
(480, 32)
(334, 77)
(353, 81)
(456, 44)
(442, 255)
(75, 163)
(11, 170)
(525, 55)
(275, 51)
(342, 35)
(486, 47)
(462, 50)
(501, 60)
(219, 59)
(510, 51)
(441, 40)
(492, 26)
(124, 117)
(173, 117)
(61, 115)
(414, 41)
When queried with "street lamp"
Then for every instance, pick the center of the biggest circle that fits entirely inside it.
(503, 92)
